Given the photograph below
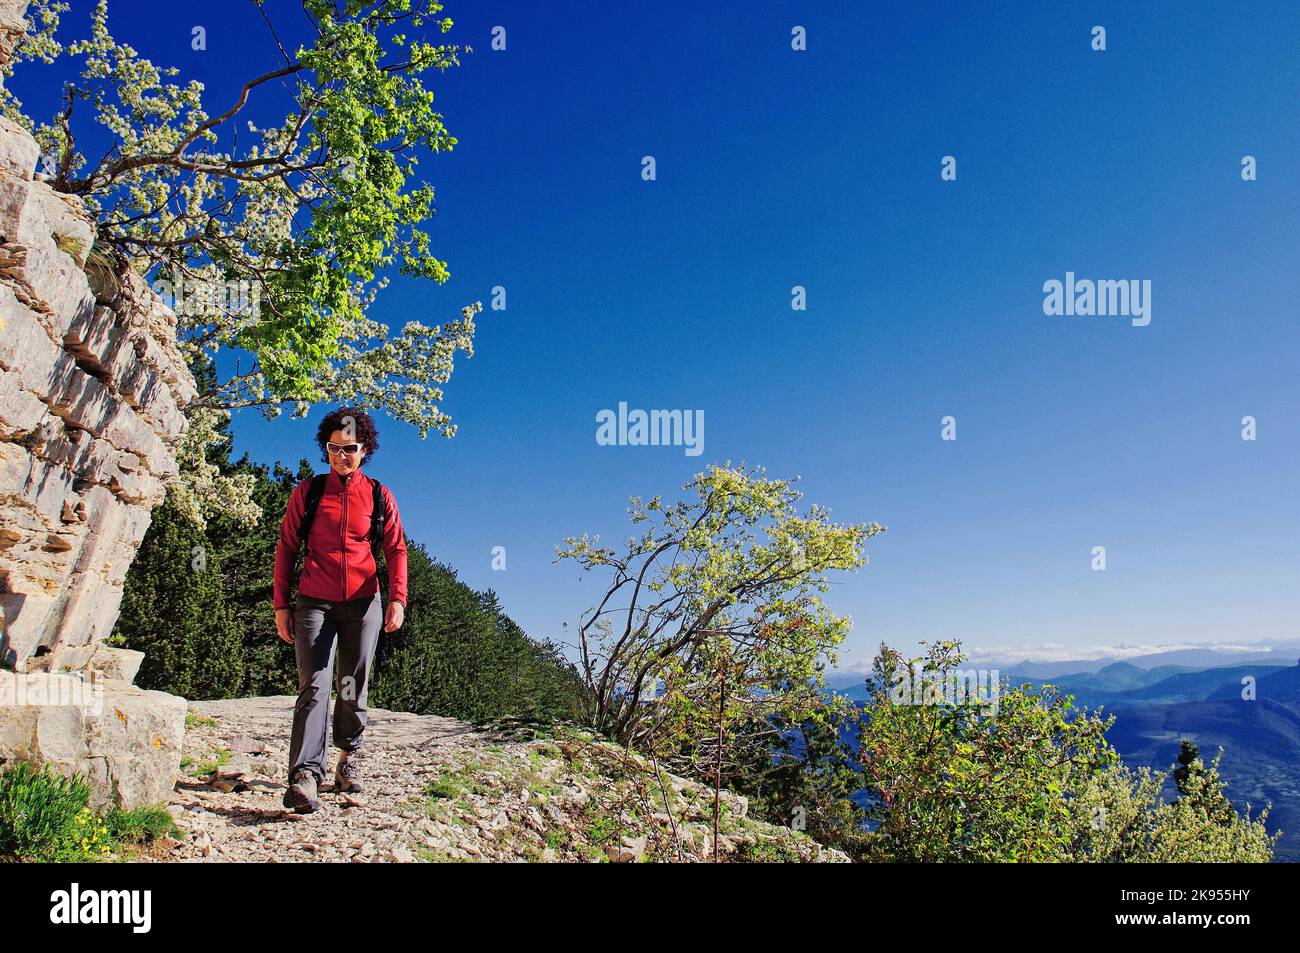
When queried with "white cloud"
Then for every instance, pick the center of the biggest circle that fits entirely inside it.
(1058, 652)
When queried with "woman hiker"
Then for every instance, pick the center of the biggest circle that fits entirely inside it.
(338, 518)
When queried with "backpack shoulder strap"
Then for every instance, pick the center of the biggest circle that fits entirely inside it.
(314, 492)
(378, 522)
(310, 505)
(378, 513)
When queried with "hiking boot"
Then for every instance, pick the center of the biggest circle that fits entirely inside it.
(301, 798)
(347, 777)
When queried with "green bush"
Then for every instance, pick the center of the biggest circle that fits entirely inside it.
(46, 818)
(139, 826)
(1030, 780)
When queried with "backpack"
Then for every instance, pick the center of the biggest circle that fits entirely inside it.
(378, 522)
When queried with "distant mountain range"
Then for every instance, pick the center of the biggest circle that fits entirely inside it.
(1162, 664)
(1274, 653)
(1194, 693)
(1124, 684)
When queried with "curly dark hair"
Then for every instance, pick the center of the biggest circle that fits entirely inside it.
(361, 425)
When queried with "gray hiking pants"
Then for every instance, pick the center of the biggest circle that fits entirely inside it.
(316, 624)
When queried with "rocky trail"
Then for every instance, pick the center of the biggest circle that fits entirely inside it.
(439, 789)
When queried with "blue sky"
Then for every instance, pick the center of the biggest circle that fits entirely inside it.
(821, 168)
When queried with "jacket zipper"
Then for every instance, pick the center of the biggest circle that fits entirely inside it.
(343, 538)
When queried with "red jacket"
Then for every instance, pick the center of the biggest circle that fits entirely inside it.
(339, 563)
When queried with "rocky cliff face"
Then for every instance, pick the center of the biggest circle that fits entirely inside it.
(91, 391)
(92, 388)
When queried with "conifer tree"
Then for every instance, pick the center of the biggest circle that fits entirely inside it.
(174, 610)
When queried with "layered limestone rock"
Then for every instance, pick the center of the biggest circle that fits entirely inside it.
(12, 26)
(124, 740)
(91, 390)
(92, 387)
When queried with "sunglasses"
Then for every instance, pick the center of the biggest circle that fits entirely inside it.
(348, 448)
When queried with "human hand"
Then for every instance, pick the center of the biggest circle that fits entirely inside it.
(284, 625)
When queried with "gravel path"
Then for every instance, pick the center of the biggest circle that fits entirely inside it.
(439, 789)
(402, 754)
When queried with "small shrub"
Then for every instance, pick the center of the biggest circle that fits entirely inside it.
(45, 817)
(139, 826)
